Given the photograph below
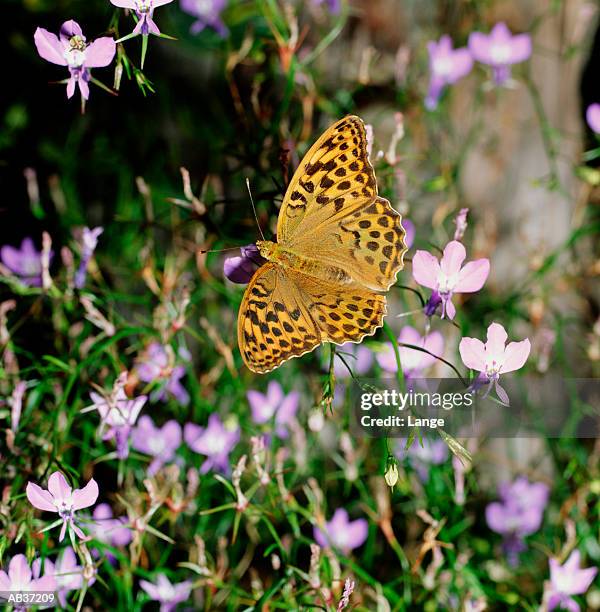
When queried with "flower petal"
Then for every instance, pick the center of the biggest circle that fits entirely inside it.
(19, 571)
(39, 498)
(516, 355)
(496, 339)
(472, 353)
(49, 47)
(98, 54)
(473, 276)
(520, 48)
(83, 498)
(425, 269)
(454, 255)
(58, 486)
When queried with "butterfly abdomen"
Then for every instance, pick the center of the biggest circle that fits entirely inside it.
(287, 258)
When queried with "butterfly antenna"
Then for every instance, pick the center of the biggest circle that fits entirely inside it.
(202, 251)
(254, 208)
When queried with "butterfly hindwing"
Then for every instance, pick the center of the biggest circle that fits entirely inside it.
(274, 322)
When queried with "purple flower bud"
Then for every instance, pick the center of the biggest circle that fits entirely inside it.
(241, 269)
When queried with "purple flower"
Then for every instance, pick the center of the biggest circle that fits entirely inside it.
(159, 442)
(342, 533)
(67, 573)
(447, 65)
(494, 358)
(25, 262)
(241, 269)
(156, 365)
(274, 404)
(113, 531)
(518, 514)
(448, 276)
(413, 362)
(207, 13)
(569, 579)
(62, 499)
(215, 441)
(20, 578)
(167, 594)
(144, 9)
(592, 116)
(118, 415)
(360, 362)
(71, 50)
(89, 243)
(409, 228)
(500, 49)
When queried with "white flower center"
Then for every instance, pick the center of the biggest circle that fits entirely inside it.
(216, 445)
(500, 53)
(442, 66)
(204, 7)
(75, 54)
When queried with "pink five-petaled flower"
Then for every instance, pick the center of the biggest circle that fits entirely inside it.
(494, 358)
(342, 533)
(518, 514)
(413, 362)
(61, 498)
(500, 49)
(118, 414)
(569, 579)
(144, 9)
(592, 116)
(207, 13)
(19, 578)
(446, 65)
(159, 442)
(215, 441)
(156, 364)
(275, 403)
(25, 262)
(71, 50)
(448, 276)
(167, 594)
(68, 574)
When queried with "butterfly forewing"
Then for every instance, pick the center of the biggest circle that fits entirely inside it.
(337, 217)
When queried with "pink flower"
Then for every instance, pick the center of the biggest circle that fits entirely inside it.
(215, 441)
(569, 579)
(494, 358)
(274, 404)
(446, 65)
(342, 533)
(167, 594)
(413, 362)
(158, 442)
(592, 116)
(500, 49)
(448, 276)
(20, 578)
(68, 574)
(25, 262)
(144, 9)
(71, 50)
(118, 414)
(62, 499)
